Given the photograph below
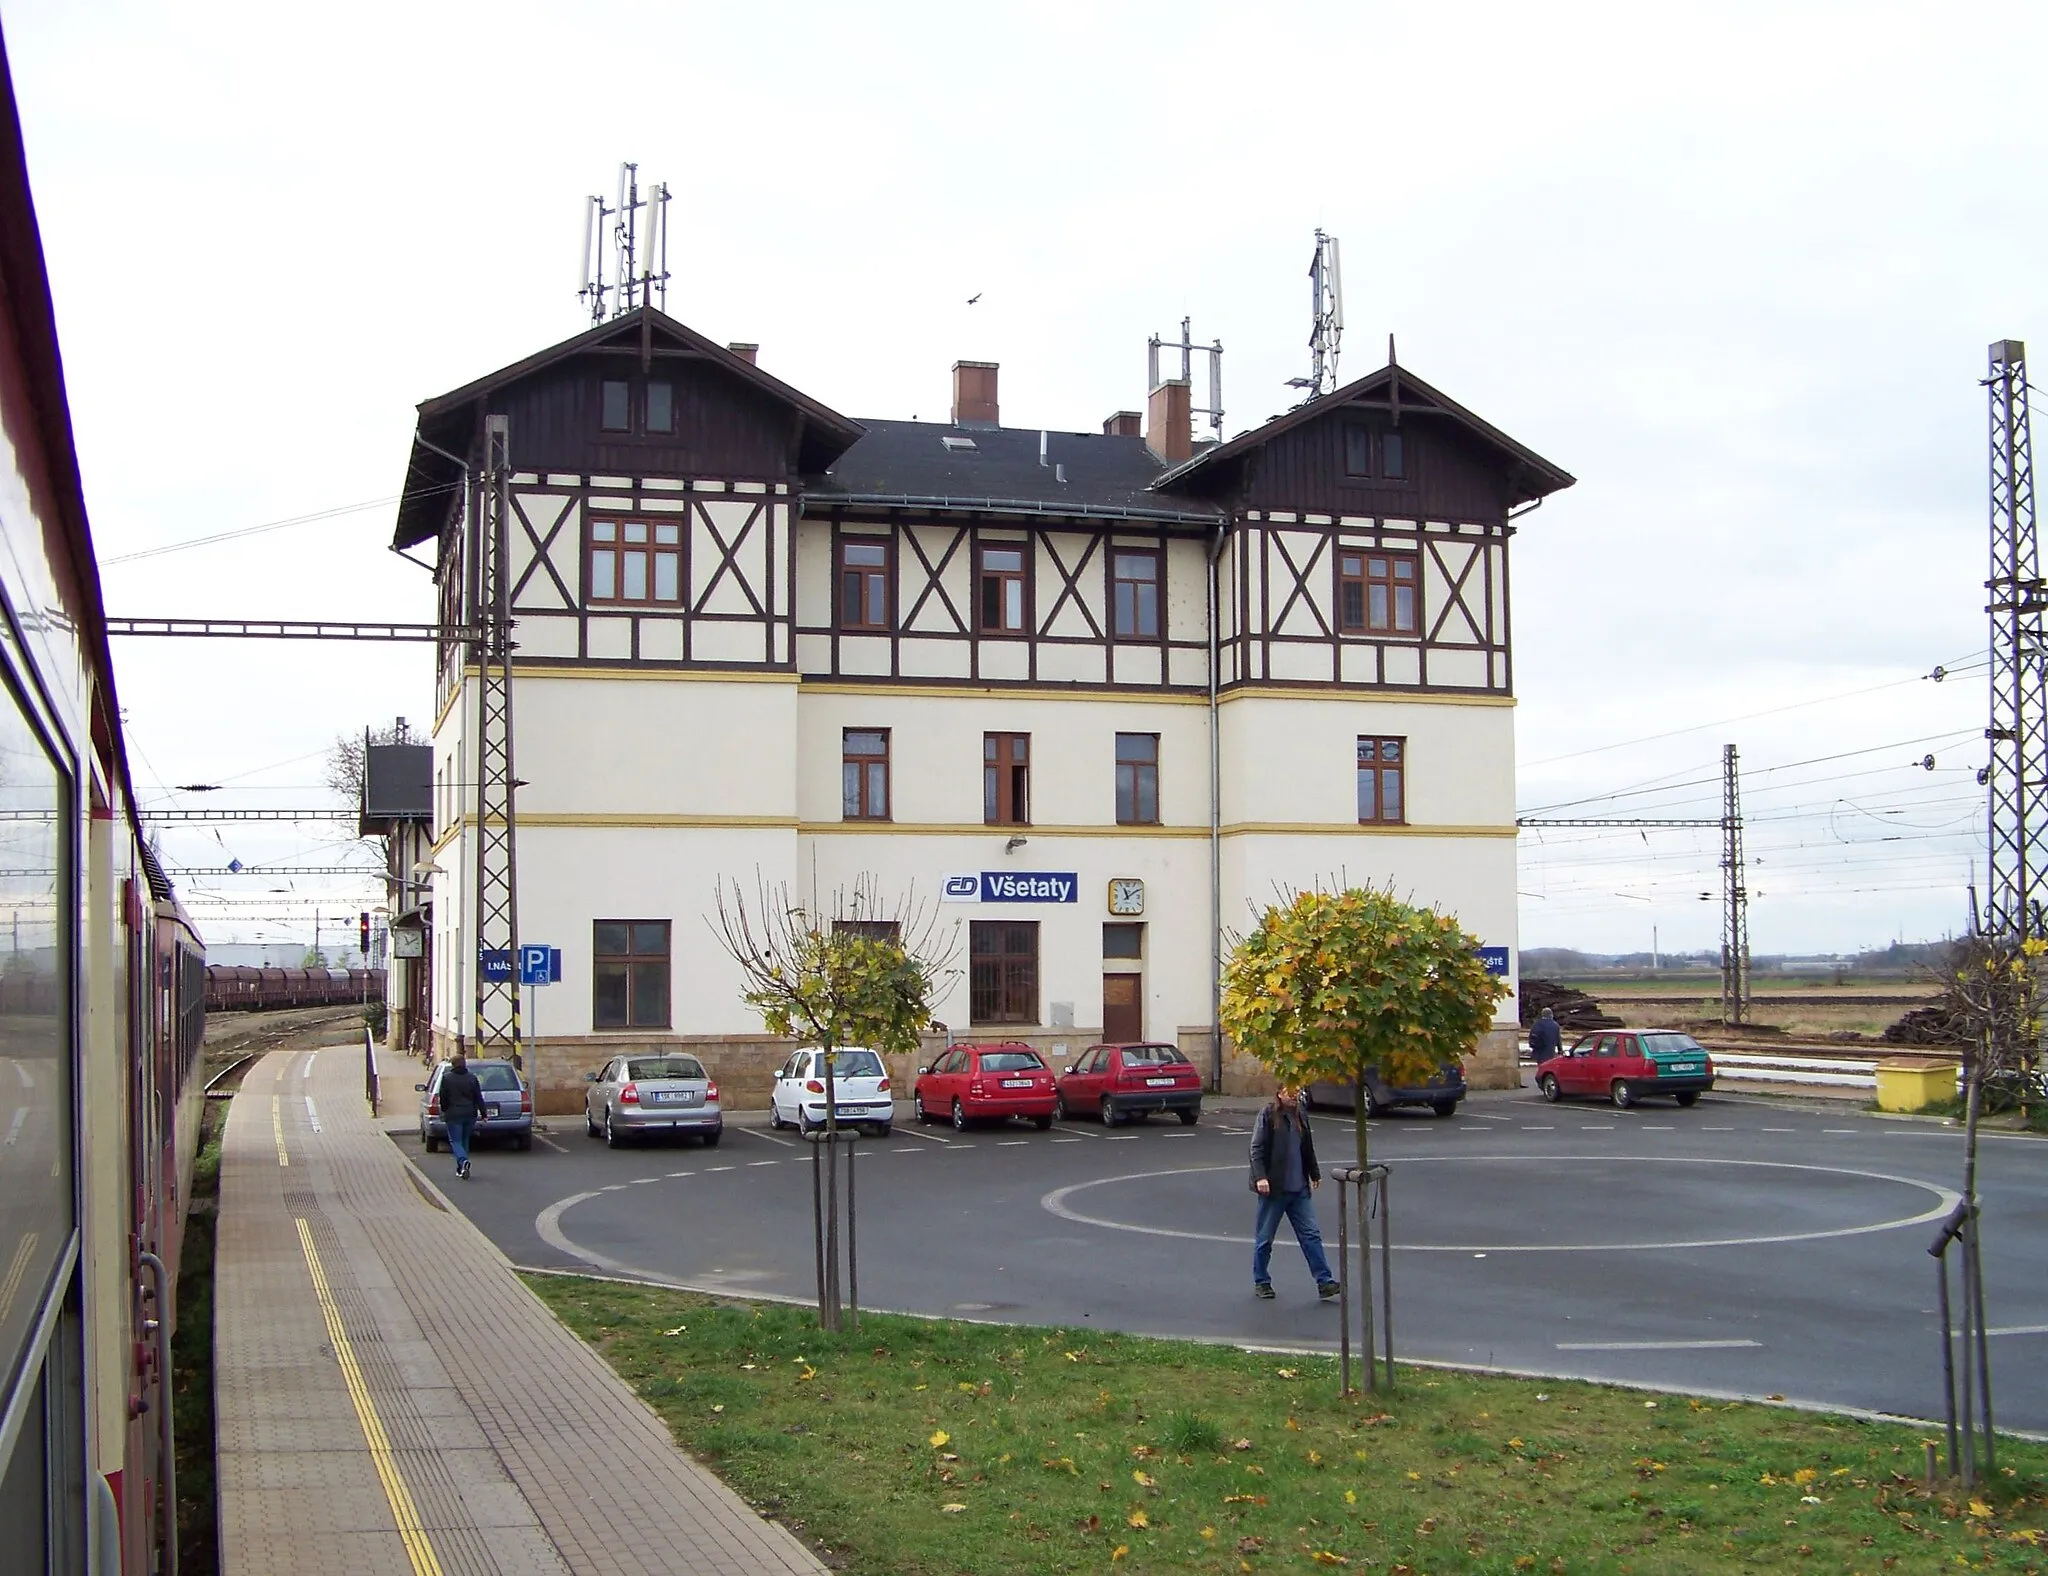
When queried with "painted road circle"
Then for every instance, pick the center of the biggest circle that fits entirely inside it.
(1056, 1203)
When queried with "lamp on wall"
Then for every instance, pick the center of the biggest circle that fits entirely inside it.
(1014, 844)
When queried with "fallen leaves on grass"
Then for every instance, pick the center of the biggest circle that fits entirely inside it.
(952, 1509)
(1138, 1518)
(941, 1437)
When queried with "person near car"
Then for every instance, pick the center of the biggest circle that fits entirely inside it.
(1544, 1036)
(462, 1102)
(1285, 1176)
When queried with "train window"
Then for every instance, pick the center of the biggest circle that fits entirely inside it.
(37, 1161)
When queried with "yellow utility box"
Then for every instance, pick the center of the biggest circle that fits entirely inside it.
(1914, 1086)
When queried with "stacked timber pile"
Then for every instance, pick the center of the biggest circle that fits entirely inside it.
(1923, 1026)
(1574, 1010)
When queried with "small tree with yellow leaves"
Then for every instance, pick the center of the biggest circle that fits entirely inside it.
(1328, 984)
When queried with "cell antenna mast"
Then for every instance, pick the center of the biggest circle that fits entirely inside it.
(627, 240)
(1734, 895)
(1188, 351)
(1326, 304)
(2017, 775)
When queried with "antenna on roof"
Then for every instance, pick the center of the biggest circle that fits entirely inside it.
(630, 239)
(1326, 303)
(1188, 351)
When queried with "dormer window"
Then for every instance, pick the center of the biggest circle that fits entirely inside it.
(661, 407)
(1390, 462)
(617, 405)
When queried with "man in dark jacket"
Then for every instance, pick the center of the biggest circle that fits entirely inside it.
(1545, 1036)
(1284, 1175)
(462, 1101)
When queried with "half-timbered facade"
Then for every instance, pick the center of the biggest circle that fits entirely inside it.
(1095, 692)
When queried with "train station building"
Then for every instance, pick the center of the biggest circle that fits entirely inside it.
(1093, 695)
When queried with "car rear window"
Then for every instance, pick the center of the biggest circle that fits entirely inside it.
(497, 1076)
(1010, 1061)
(1679, 1044)
(856, 1064)
(1153, 1055)
(652, 1067)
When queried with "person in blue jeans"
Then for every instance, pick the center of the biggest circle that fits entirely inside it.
(462, 1102)
(1285, 1176)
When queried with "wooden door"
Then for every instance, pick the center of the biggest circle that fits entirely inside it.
(1123, 1010)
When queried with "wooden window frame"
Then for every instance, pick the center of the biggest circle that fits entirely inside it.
(871, 929)
(1004, 579)
(1360, 433)
(1383, 770)
(633, 962)
(1143, 776)
(854, 621)
(1132, 930)
(1002, 977)
(1384, 621)
(618, 548)
(1006, 779)
(1137, 634)
(865, 762)
(604, 421)
(647, 388)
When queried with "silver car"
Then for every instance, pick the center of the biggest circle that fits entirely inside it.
(652, 1092)
(507, 1112)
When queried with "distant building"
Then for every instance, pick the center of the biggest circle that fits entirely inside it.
(1100, 691)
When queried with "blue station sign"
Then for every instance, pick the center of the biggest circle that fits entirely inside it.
(1011, 886)
(1495, 959)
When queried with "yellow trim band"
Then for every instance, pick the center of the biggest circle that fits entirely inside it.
(771, 823)
(411, 1531)
(1038, 690)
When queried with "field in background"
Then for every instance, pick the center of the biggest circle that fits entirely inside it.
(1804, 1006)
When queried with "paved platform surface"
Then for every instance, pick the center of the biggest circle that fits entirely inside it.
(390, 1397)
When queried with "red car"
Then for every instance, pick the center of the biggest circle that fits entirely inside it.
(1627, 1065)
(1123, 1081)
(970, 1082)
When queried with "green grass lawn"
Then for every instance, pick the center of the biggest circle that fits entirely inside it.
(918, 1447)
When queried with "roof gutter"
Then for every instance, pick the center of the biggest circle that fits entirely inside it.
(1008, 506)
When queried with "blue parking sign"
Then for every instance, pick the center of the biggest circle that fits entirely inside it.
(540, 965)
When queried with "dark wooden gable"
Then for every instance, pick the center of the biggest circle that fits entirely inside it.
(1457, 467)
(732, 420)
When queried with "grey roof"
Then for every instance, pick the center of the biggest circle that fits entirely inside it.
(928, 464)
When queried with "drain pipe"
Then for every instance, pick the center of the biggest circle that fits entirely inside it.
(1215, 821)
(167, 1466)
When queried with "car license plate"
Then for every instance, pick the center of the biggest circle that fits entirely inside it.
(1681, 1067)
(1016, 1083)
(1159, 1083)
(675, 1097)
(505, 1113)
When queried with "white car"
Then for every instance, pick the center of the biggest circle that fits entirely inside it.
(860, 1085)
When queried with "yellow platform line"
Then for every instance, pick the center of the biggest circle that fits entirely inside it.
(277, 1128)
(403, 1511)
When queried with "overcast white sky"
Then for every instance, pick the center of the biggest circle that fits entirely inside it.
(1734, 266)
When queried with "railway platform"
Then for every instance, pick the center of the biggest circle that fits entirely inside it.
(389, 1397)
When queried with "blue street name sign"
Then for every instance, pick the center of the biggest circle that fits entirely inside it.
(540, 965)
(496, 964)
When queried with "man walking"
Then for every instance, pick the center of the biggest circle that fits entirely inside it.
(1545, 1036)
(462, 1101)
(1284, 1175)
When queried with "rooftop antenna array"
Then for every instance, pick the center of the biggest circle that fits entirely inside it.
(1188, 351)
(630, 238)
(1326, 300)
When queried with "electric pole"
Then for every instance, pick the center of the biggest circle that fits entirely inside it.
(1734, 896)
(496, 922)
(2018, 772)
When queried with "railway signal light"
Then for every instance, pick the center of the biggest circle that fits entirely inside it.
(365, 933)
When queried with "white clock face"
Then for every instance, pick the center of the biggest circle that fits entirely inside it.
(1126, 896)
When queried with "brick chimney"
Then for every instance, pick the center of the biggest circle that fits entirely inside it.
(746, 352)
(1169, 431)
(974, 394)
(1124, 424)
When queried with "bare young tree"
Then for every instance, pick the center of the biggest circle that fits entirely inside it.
(861, 969)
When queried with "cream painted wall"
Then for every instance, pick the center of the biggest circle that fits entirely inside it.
(935, 747)
(1296, 761)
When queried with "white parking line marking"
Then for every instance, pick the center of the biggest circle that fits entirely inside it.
(312, 1115)
(724, 1168)
(307, 1070)
(1606, 1129)
(2019, 1329)
(1082, 1132)
(27, 1078)
(1653, 1346)
(14, 1127)
(543, 1138)
(1659, 1127)
(682, 1173)
(751, 1132)
(1528, 1128)
(613, 1187)
(1066, 1140)
(1710, 1129)
(1780, 1130)
(1121, 1138)
(642, 1181)
(1852, 1131)
(1483, 1117)
(1176, 1135)
(1011, 1143)
(930, 1138)
(764, 1163)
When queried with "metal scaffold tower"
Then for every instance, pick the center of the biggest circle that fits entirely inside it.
(2018, 772)
(496, 921)
(1734, 895)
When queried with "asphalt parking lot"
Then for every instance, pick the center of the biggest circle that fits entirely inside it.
(1744, 1247)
